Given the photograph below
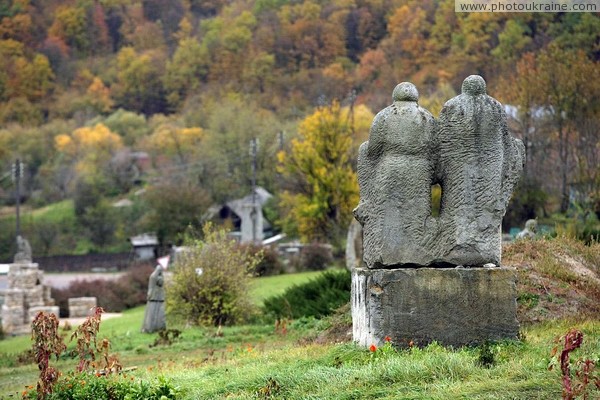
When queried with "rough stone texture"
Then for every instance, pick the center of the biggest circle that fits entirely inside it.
(395, 174)
(354, 245)
(33, 311)
(24, 276)
(13, 318)
(154, 317)
(479, 164)
(453, 306)
(469, 152)
(81, 307)
(25, 293)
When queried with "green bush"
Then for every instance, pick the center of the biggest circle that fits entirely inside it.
(318, 297)
(86, 386)
(210, 282)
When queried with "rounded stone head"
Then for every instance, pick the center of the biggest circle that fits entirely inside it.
(405, 91)
(474, 85)
(531, 225)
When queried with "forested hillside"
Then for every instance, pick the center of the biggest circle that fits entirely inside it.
(103, 98)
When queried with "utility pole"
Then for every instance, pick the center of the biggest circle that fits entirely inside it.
(281, 140)
(17, 174)
(253, 153)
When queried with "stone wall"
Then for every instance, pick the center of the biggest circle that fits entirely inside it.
(24, 298)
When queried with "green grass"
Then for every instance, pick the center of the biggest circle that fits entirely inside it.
(56, 212)
(254, 361)
(246, 362)
(263, 288)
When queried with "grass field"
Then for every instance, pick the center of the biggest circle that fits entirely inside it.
(248, 361)
(255, 361)
(275, 285)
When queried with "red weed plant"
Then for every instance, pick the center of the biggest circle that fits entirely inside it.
(46, 343)
(585, 372)
(89, 348)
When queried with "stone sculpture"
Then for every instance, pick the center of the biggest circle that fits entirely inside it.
(23, 255)
(469, 152)
(479, 164)
(529, 231)
(395, 173)
(416, 287)
(154, 317)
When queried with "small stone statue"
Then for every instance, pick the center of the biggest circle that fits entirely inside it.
(529, 231)
(23, 255)
(154, 317)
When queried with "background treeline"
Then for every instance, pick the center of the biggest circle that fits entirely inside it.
(104, 98)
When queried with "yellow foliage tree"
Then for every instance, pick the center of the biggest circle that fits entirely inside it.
(99, 96)
(319, 165)
(89, 147)
(173, 141)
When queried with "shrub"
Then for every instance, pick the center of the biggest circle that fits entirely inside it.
(91, 386)
(113, 295)
(210, 281)
(315, 257)
(318, 297)
(269, 264)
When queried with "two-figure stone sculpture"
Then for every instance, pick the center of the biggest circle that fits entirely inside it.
(424, 278)
(468, 152)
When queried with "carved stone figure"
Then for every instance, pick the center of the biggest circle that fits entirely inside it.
(469, 152)
(395, 173)
(154, 317)
(23, 255)
(479, 164)
(529, 231)
(407, 292)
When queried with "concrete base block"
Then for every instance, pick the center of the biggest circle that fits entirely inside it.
(49, 310)
(81, 306)
(452, 306)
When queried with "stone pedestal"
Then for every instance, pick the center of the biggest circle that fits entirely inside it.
(81, 306)
(24, 298)
(452, 306)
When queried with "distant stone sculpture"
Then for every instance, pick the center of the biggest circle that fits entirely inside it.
(154, 317)
(395, 174)
(529, 231)
(469, 152)
(23, 254)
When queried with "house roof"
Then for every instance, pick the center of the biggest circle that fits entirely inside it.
(237, 205)
(145, 239)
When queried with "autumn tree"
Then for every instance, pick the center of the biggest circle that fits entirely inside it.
(173, 206)
(176, 142)
(231, 122)
(139, 85)
(185, 71)
(568, 81)
(325, 185)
